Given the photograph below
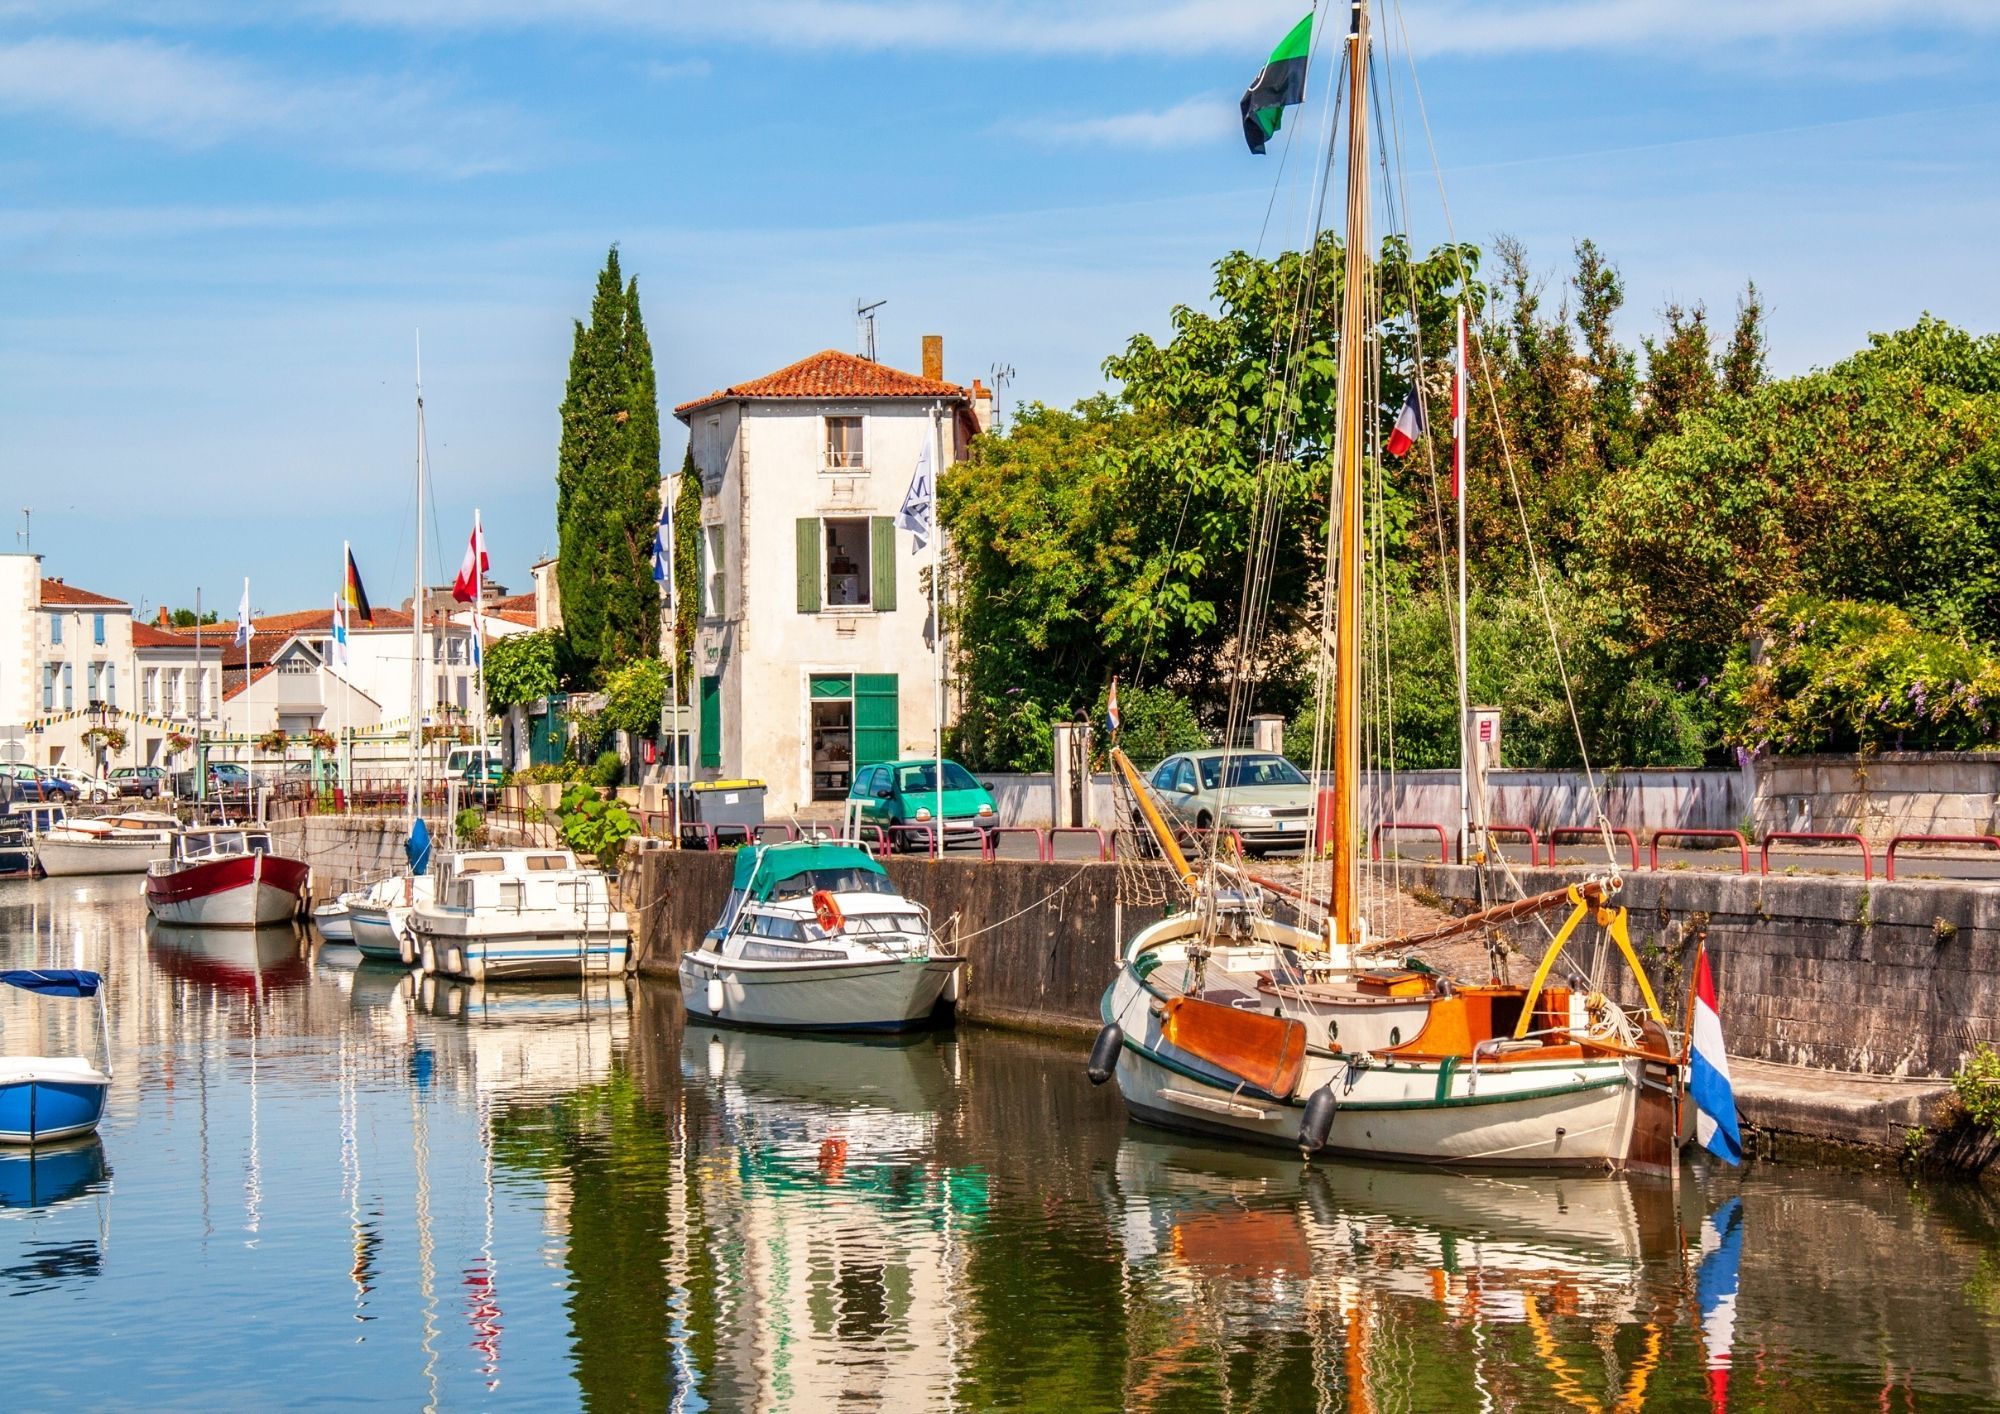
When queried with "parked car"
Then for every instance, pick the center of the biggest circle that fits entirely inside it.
(1264, 798)
(460, 757)
(146, 782)
(225, 778)
(906, 793)
(88, 786)
(484, 779)
(39, 783)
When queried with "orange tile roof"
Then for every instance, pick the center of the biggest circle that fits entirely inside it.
(237, 684)
(516, 603)
(148, 636)
(54, 591)
(299, 621)
(526, 618)
(832, 374)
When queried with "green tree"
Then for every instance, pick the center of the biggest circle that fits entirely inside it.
(607, 481)
(1680, 373)
(1741, 367)
(185, 618)
(634, 696)
(520, 668)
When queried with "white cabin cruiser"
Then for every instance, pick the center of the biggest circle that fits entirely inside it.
(814, 937)
(378, 917)
(506, 914)
(106, 844)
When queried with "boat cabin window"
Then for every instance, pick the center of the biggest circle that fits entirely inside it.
(512, 891)
(257, 844)
(834, 881)
(481, 864)
(1254, 769)
(545, 863)
(764, 925)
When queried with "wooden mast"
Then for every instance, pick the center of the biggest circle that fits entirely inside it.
(1348, 424)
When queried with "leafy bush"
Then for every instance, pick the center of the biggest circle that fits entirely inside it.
(521, 668)
(592, 825)
(634, 697)
(1838, 675)
(1153, 723)
(549, 773)
(1004, 732)
(470, 823)
(606, 771)
(1978, 1088)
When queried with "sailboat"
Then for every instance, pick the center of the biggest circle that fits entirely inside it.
(1226, 1019)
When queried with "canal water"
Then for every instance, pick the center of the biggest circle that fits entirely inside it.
(319, 1183)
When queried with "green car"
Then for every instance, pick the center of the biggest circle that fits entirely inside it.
(906, 793)
(483, 779)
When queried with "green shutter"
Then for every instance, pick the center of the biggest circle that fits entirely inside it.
(882, 561)
(877, 726)
(836, 687)
(808, 534)
(711, 722)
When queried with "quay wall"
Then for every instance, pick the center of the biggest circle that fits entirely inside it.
(346, 851)
(1881, 796)
(1870, 978)
(1842, 975)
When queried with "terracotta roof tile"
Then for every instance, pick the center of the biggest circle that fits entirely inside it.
(514, 603)
(54, 591)
(832, 374)
(148, 636)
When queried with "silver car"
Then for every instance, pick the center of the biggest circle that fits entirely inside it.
(1263, 797)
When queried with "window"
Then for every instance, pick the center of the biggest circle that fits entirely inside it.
(69, 689)
(149, 690)
(916, 780)
(55, 630)
(1163, 774)
(97, 629)
(847, 578)
(111, 683)
(49, 688)
(1258, 770)
(712, 599)
(843, 444)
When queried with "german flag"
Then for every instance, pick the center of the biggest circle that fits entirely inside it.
(355, 595)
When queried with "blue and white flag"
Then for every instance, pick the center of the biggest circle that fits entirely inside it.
(919, 501)
(1715, 1288)
(243, 617)
(1708, 1072)
(340, 630)
(663, 552)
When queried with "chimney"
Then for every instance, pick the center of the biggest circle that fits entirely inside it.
(982, 406)
(934, 357)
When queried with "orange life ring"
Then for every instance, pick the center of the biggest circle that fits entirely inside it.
(827, 911)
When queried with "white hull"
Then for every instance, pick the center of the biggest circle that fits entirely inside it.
(382, 932)
(253, 905)
(887, 994)
(478, 955)
(61, 858)
(333, 923)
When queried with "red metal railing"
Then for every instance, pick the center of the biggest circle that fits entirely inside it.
(1513, 832)
(1101, 837)
(1821, 836)
(1375, 837)
(1591, 833)
(1889, 857)
(1742, 845)
(989, 842)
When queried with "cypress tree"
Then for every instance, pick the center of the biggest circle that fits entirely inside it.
(608, 480)
(687, 561)
(1742, 364)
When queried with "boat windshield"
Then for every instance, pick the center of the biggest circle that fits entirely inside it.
(1253, 770)
(834, 881)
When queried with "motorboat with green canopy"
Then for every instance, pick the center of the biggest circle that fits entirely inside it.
(814, 936)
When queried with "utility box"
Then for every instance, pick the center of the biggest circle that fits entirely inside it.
(1267, 733)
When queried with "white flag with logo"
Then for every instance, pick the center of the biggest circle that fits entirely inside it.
(919, 503)
(243, 617)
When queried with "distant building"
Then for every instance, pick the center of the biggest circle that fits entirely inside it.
(811, 655)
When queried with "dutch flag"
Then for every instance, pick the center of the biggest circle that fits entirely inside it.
(1708, 1072)
(1715, 1287)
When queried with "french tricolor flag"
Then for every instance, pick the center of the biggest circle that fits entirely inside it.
(1708, 1072)
(1409, 426)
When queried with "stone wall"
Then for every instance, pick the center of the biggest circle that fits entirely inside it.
(1893, 793)
(1871, 978)
(1043, 938)
(346, 851)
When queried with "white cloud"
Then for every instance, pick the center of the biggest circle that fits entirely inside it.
(181, 97)
(675, 70)
(1190, 123)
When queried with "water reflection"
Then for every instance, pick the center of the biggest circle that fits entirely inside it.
(337, 1181)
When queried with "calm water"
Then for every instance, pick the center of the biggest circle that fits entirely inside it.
(318, 1184)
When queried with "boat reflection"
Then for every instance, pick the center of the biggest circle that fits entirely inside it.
(835, 1233)
(231, 959)
(1516, 1281)
(60, 1194)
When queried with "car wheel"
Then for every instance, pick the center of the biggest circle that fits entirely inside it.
(1203, 821)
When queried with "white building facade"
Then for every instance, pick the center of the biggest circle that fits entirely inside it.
(814, 653)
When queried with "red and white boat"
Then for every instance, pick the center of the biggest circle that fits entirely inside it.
(225, 877)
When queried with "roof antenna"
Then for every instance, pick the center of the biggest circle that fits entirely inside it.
(864, 326)
(1002, 374)
(25, 533)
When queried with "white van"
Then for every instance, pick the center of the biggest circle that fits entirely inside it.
(463, 756)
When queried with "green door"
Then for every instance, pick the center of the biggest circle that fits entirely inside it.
(877, 730)
(711, 722)
(546, 737)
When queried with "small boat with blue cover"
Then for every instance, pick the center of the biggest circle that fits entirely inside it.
(46, 1098)
(815, 937)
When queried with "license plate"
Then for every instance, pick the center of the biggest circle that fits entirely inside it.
(1291, 824)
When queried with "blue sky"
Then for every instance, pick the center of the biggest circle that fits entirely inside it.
(221, 224)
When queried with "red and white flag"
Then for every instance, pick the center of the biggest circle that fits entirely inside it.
(1409, 426)
(465, 588)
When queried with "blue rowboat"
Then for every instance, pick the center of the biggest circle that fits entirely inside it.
(46, 1098)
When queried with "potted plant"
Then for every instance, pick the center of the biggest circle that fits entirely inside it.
(109, 739)
(322, 741)
(273, 742)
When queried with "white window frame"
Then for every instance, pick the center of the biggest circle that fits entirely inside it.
(829, 466)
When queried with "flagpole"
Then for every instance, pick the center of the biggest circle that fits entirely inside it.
(671, 536)
(479, 635)
(416, 788)
(937, 624)
(1459, 399)
(249, 742)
